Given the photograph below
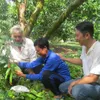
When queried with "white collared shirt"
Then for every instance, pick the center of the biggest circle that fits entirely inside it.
(91, 59)
(27, 52)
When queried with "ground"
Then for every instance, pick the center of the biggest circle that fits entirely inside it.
(62, 49)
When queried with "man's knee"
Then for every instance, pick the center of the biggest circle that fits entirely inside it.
(46, 73)
(64, 86)
(78, 92)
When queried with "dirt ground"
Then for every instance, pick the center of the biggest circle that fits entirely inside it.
(64, 50)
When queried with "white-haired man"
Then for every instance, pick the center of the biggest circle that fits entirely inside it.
(22, 48)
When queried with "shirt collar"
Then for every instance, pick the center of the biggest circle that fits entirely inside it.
(23, 42)
(92, 47)
(48, 54)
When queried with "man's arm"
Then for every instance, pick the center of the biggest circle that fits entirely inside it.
(50, 65)
(77, 61)
(29, 76)
(33, 64)
(85, 80)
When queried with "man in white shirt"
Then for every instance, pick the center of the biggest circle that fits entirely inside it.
(21, 48)
(87, 87)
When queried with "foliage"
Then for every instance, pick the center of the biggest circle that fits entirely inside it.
(6, 19)
(50, 13)
(52, 10)
(3, 57)
(75, 70)
(10, 72)
(37, 90)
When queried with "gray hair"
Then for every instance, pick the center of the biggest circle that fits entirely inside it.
(16, 28)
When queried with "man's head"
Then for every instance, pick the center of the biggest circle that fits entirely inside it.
(42, 46)
(17, 33)
(84, 32)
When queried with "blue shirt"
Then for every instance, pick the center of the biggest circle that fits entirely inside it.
(52, 62)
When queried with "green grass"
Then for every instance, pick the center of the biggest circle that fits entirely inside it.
(69, 45)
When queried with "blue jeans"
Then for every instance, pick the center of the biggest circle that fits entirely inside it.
(52, 80)
(82, 91)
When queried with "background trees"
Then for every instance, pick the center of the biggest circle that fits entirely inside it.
(54, 19)
(49, 18)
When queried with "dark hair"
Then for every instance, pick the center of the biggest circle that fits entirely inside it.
(85, 27)
(42, 43)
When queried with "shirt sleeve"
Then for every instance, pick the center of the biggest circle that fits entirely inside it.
(34, 76)
(96, 70)
(96, 66)
(50, 65)
(33, 64)
(82, 53)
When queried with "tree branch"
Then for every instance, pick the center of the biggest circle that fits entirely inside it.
(63, 16)
(22, 19)
(17, 5)
(33, 17)
(21, 8)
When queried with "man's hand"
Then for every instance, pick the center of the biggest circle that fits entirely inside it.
(61, 56)
(8, 65)
(85, 80)
(19, 73)
(13, 61)
(71, 86)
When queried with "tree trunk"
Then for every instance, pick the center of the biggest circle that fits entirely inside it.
(27, 26)
(33, 18)
(63, 16)
(21, 7)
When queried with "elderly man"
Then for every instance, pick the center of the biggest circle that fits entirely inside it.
(22, 49)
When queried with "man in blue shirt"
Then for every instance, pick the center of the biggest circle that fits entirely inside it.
(54, 72)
